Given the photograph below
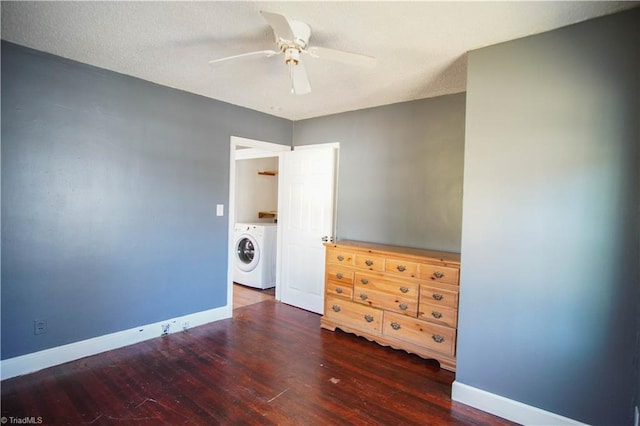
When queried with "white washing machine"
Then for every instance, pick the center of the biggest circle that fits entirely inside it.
(255, 254)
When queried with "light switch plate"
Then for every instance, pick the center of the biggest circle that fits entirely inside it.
(220, 210)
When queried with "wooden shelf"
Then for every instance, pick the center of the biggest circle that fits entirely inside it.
(268, 173)
(272, 213)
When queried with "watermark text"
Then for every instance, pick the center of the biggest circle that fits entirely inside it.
(26, 420)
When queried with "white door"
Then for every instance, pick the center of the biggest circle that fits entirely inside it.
(306, 215)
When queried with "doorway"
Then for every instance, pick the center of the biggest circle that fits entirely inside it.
(266, 157)
(306, 206)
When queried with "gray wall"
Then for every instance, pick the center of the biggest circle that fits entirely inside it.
(550, 223)
(109, 193)
(400, 172)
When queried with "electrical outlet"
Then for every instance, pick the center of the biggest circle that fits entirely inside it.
(165, 329)
(185, 325)
(39, 326)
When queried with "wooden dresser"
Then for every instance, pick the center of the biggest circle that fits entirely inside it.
(400, 297)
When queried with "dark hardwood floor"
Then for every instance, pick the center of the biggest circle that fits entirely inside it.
(270, 364)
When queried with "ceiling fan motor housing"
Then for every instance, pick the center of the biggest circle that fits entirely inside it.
(291, 55)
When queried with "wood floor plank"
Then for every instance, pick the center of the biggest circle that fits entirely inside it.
(270, 364)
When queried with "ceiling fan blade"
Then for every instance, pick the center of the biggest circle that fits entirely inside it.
(299, 79)
(279, 24)
(267, 53)
(340, 56)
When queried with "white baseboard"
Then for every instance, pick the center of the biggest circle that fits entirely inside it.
(506, 408)
(35, 361)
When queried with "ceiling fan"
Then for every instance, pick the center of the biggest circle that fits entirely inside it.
(292, 39)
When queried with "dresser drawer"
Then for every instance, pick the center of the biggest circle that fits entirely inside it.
(339, 289)
(353, 315)
(418, 332)
(438, 315)
(370, 262)
(436, 296)
(339, 274)
(401, 267)
(403, 288)
(389, 301)
(340, 257)
(438, 273)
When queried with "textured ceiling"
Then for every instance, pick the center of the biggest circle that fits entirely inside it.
(420, 46)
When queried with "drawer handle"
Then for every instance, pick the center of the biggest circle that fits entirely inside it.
(438, 274)
(401, 268)
(368, 318)
(437, 296)
(339, 290)
(437, 338)
(364, 296)
(404, 289)
(403, 306)
(340, 258)
(364, 281)
(395, 325)
(339, 276)
(436, 314)
(335, 308)
(368, 262)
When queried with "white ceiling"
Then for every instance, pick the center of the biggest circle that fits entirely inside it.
(420, 46)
